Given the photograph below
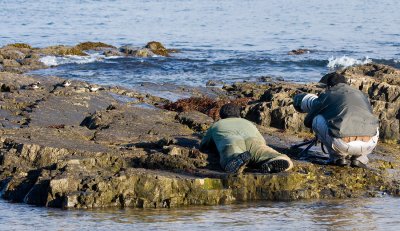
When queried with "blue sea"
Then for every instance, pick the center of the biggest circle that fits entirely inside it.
(224, 41)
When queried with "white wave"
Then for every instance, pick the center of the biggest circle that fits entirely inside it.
(59, 60)
(345, 61)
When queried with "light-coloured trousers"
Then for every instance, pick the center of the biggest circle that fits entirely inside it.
(336, 147)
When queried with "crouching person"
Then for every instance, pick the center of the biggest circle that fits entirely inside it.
(239, 143)
(343, 121)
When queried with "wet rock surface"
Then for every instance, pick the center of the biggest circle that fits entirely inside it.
(76, 148)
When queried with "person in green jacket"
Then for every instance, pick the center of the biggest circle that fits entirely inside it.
(239, 143)
(343, 121)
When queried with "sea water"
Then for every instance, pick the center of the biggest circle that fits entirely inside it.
(226, 41)
(346, 214)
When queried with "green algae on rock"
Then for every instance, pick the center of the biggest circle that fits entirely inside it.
(20, 45)
(92, 46)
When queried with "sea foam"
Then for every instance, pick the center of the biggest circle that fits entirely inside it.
(59, 60)
(345, 61)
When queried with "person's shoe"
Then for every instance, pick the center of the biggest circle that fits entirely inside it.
(342, 162)
(277, 164)
(357, 164)
(237, 164)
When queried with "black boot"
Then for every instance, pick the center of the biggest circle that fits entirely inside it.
(356, 163)
(275, 165)
(342, 162)
(339, 162)
(237, 164)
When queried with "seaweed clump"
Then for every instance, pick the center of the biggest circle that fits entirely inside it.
(204, 105)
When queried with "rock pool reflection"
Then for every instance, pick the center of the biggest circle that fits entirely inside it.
(351, 214)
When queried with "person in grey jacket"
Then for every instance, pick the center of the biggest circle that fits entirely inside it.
(239, 143)
(343, 121)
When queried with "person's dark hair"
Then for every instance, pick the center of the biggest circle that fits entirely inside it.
(334, 78)
(229, 110)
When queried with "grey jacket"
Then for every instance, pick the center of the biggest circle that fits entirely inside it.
(347, 111)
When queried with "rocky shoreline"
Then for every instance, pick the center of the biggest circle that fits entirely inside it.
(75, 147)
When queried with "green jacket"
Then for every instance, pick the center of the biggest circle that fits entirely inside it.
(346, 110)
(228, 135)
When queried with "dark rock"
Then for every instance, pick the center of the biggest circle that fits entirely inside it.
(38, 194)
(128, 49)
(195, 120)
(112, 52)
(7, 87)
(265, 79)
(299, 52)
(136, 51)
